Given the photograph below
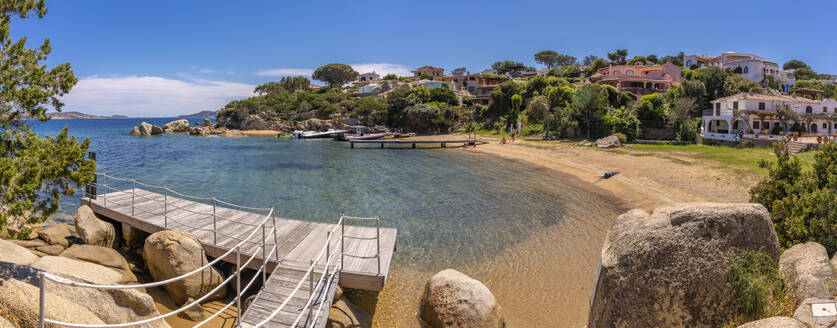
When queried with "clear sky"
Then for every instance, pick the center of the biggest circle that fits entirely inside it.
(162, 58)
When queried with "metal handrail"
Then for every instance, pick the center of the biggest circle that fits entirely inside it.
(326, 248)
(323, 284)
(377, 239)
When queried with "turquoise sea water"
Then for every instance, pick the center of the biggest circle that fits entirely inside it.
(450, 206)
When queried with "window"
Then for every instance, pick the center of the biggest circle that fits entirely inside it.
(734, 105)
(809, 110)
(824, 126)
(746, 69)
(755, 125)
(629, 72)
(824, 109)
(761, 106)
(718, 105)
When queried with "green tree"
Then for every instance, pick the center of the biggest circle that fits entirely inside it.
(547, 57)
(623, 120)
(516, 104)
(458, 71)
(367, 106)
(598, 63)
(390, 77)
(696, 90)
(618, 56)
(637, 59)
(652, 59)
(288, 84)
(588, 60)
(650, 109)
(508, 66)
(795, 64)
(35, 171)
(674, 59)
(804, 74)
(713, 79)
(679, 118)
(735, 83)
(335, 75)
(590, 102)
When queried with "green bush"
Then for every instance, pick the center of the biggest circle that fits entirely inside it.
(777, 129)
(801, 203)
(797, 128)
(622, 138)
(760, 287)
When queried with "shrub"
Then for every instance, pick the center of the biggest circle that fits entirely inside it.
(622, 138)
(777, 129)
(797, 128)
(760, 287)
(801, 203)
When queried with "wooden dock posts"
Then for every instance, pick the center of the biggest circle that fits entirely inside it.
(442, 143)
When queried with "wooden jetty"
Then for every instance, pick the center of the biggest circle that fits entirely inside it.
(442, 142)
(365, 252)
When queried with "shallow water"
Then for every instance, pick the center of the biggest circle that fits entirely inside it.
(528, 233)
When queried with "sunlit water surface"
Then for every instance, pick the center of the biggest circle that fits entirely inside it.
(524, 231)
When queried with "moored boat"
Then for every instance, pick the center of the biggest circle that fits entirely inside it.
(331, 133)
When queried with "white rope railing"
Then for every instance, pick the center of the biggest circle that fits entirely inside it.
(318, 292)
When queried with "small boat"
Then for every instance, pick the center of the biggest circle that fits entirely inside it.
(371, 136)
(331, 133)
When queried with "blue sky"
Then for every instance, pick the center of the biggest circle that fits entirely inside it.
(162, 58)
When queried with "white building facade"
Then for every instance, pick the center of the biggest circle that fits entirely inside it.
(749, 66)
(768, 115)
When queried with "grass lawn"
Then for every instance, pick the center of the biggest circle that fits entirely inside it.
(723, 157)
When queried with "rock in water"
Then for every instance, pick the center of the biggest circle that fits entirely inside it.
(58, 234)
(452, 299)
(103, 256)
(133, 237)
(608, 142)
(136, 131)
(813, 277)
(774, 322)
(346, 314)
(207, 122)
(145, 129)
(11, 252)
(176, 126)
(671, 268)
(156, 130)
(92, 230)
(169, 254)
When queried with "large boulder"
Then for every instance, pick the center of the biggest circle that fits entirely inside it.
(20, 297)
(146, 129)
(671, 268)
(134, 238)
(50, 249)
(59, 234)
(805, 313)
(11, 252)
(176, 126)
(103, 256)
(92, 230)
(346, 314)
(774, 322)
(452, 299)
(169, 254)
(608, 142)
(79, 269)
(109, 306)
(207, 122)
(810, 270)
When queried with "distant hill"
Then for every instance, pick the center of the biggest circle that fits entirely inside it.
(74, 115)
(208, 114)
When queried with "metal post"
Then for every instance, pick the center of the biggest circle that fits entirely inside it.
(311, 284)
(378, 239)
(264, 258)
(105, 184)
(328, 247)
(342, 240)
(214, 224)
(165, 206)
(133, 192)
(275, 240)
(42, 302)
(238, 282)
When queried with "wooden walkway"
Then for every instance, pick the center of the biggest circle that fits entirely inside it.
(298, 244)
(442, 143)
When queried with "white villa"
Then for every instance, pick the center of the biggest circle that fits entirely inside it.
(749, 66)
(758, 114)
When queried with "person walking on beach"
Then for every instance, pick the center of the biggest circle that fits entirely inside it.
(512, 135)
